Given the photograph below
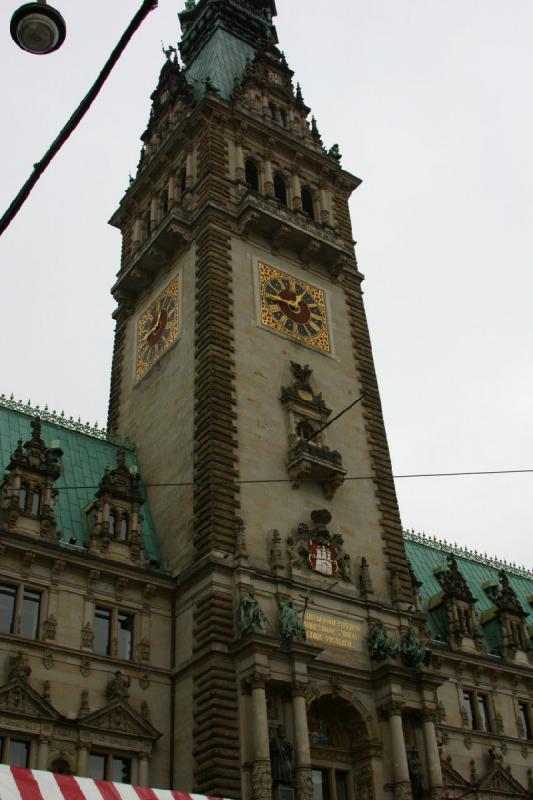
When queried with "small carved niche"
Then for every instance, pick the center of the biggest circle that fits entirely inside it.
(309, 458)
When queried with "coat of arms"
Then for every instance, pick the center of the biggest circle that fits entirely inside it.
(322, 558)
(317, 547)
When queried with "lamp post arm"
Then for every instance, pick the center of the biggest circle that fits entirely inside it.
(38, 169)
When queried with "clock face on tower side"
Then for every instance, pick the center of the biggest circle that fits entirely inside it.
(293, 307)
(157, 328)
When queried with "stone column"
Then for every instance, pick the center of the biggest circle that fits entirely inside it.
(172, 191)
(83, 755)
(239, 162)
(261, 770)
(42, 752)
(143, 776)
(154, 212)
(436, 786)
(188, 171)
(269, 180)
(302, 750)
(296, 191)
(400, 767)
(324, 205)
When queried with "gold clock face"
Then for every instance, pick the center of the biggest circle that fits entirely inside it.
(294, 308)
(157, 328)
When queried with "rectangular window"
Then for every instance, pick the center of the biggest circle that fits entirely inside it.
(468, 705)
(121, 769)
(102, 631)
(125, 636)
(8, 596)
(483, 712)
(96, 767)
(320, 784)
(19, 752)
(29, 614)
(523, 710)
(341, 785)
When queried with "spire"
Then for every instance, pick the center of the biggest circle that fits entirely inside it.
(218, 39)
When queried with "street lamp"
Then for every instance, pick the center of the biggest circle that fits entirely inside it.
(38, 28)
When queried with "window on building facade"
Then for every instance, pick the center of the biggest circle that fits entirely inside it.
(308, 205)
(106, 766)
(124, 530)
(477, 711)
(36, 501)
(20, 610)
(15, 752)
(280, 189)
(524, 715)
(112, 523)
(251, 175)
(113, 633)
(23, 497)
(330, 784)
(102, 631)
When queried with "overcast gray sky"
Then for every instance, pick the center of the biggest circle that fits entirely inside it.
(431, 104)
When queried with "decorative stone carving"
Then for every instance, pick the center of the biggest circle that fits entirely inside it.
(304, 784)
(414, 652)
(84, 702)
(261, 780)
(56, 572)
(85, 667)
(118, 686)
(276, 553)
(241, 551)
(281, 758)
(143, 650)
(120, 586)
(380, 645)
(18, 668)
(316, 548)
(309, 458)
(48, 659)
(365, 582)
(250, 617)
(291, 621)
(145, 711)
(87, 636)
(92, 580)
(27, 560)
(148, 594)
(46, 691)
(49, 627)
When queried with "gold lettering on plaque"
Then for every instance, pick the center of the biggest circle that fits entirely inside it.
(331, 630)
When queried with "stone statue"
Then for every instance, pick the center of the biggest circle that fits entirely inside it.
(415, 774)
(250, 617)
(414, 652)
(117, 688)
(380, 645)
(291, 622)
(18, 669)
(281, 757)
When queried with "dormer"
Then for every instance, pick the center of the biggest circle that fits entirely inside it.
(113, 519)
(27, 494)
(505, 622)
(309, 458)
(454, 607)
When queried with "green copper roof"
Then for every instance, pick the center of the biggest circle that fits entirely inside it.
(221, 60)
(86, 454)
(426, 554)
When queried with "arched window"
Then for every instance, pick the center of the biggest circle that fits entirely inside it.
(112, 523)
(183, 181)
(308, 205)
(164, 203)
(280, 189)
(61, 767)
(23, 496)
(283, 117)
(273, 111)
(251, 175)
(36, 501)
(124, 531)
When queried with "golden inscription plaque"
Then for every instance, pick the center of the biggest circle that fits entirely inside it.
(294, 308)
(333, 631)
(157, 328)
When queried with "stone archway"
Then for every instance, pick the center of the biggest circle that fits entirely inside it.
(342, 750)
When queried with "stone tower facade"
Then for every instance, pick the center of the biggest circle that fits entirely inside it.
(238, 226)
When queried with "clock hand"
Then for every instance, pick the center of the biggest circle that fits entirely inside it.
(294, 305)
(154, 327)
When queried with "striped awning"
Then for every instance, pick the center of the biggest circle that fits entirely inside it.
(34, 784)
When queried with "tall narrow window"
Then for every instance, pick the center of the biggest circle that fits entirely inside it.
(102, 631)
(280, 189)
(36, 501)
(112, 524)
(308, 206)
(8, 596)
(341, 785)
(483, 711)
(96, 766)
(19, 752)
(251, 175)
(164, 203)
(320, 784)
(124, 636)
(283, 117)
(23, 497)
(183, 182)
(124, 531)
(121, 769)
(468, 705)
(523, 711)
(29, 614)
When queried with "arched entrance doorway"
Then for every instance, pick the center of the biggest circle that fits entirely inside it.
(340, 751)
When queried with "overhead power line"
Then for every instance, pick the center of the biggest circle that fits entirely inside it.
(77, 116)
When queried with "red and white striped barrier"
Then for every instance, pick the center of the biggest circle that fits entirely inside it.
(35, 784)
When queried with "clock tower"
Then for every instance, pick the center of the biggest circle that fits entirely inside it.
(240, 335)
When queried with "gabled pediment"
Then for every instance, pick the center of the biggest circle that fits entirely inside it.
(501, 783)
(120, 717)
(19, 698)
(451, 777)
